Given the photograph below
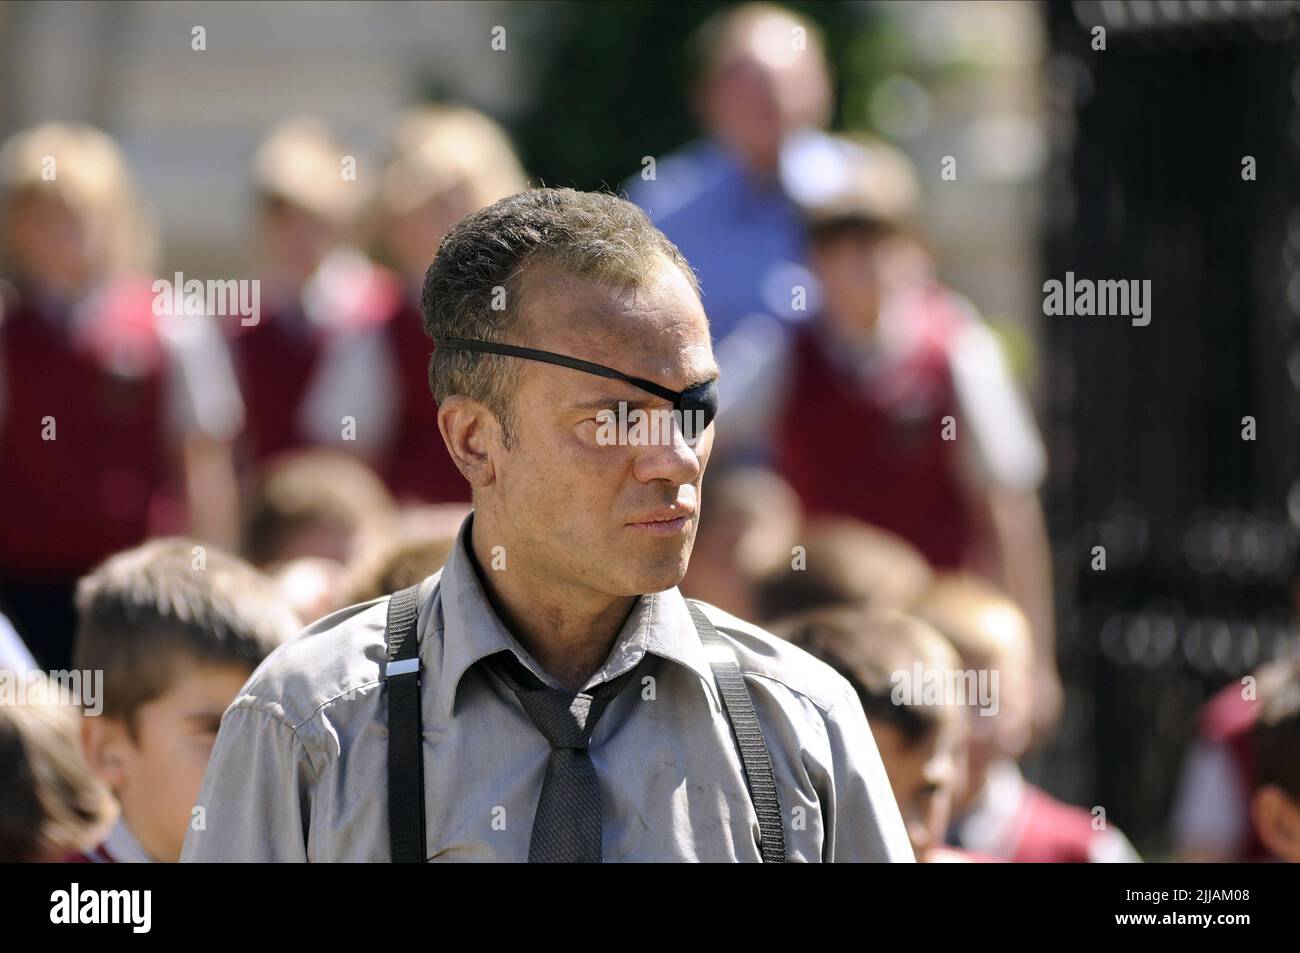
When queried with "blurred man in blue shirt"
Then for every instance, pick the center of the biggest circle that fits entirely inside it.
(723, 200)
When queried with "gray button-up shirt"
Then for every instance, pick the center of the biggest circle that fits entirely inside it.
(298, 772)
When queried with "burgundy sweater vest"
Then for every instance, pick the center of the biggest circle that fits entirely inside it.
(99, 485)
(877, 454)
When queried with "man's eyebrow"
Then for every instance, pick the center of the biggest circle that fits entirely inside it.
(609, 400)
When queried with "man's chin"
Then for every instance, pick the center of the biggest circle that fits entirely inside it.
(640, 566)
(652, 577)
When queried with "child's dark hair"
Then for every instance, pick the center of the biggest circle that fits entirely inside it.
(870, 648)
(171, 601)
(846, 563)
(306, 488)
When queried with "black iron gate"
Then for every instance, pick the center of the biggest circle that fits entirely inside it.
(1148, 425)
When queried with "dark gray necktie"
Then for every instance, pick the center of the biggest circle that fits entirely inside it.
(567, 828)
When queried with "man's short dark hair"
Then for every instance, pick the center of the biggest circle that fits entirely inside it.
(473, 287)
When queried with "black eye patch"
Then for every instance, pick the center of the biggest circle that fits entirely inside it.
(701, 397)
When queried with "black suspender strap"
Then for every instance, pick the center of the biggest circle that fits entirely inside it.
(749, 736)
(405, 746)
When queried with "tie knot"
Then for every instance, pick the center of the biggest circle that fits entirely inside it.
(565, 719)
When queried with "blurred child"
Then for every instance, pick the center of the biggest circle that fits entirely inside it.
(340, 358)
(311, 513)
(893, 404)
(313, 503)
(1211, 819)
(843, 562)
(315, 369)
(443, 162)
(722, 199)
(51, 803)
(999, 813)
(116, 418)
(922, 744)
(746, 533)
(1275, 801)
(176, 630)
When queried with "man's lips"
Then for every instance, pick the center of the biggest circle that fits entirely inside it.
(665, 514)
(666, 521)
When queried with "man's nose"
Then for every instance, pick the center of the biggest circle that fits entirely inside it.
(670, 456)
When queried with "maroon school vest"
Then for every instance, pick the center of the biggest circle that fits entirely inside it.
(274, 364)
(875, 452)
(1052, 832)
(276, 358)
(418, 466)
(96, 488)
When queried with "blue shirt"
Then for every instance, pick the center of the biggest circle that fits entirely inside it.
(744, 238)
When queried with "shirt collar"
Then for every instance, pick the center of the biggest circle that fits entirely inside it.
(659, 624)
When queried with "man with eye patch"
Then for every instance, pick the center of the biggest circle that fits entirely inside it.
(549, 695)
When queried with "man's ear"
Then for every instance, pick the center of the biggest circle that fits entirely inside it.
(473, 437)
(1277, 821)
(107, 747)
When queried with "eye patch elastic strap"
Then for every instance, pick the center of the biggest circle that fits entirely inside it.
(702, 397)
